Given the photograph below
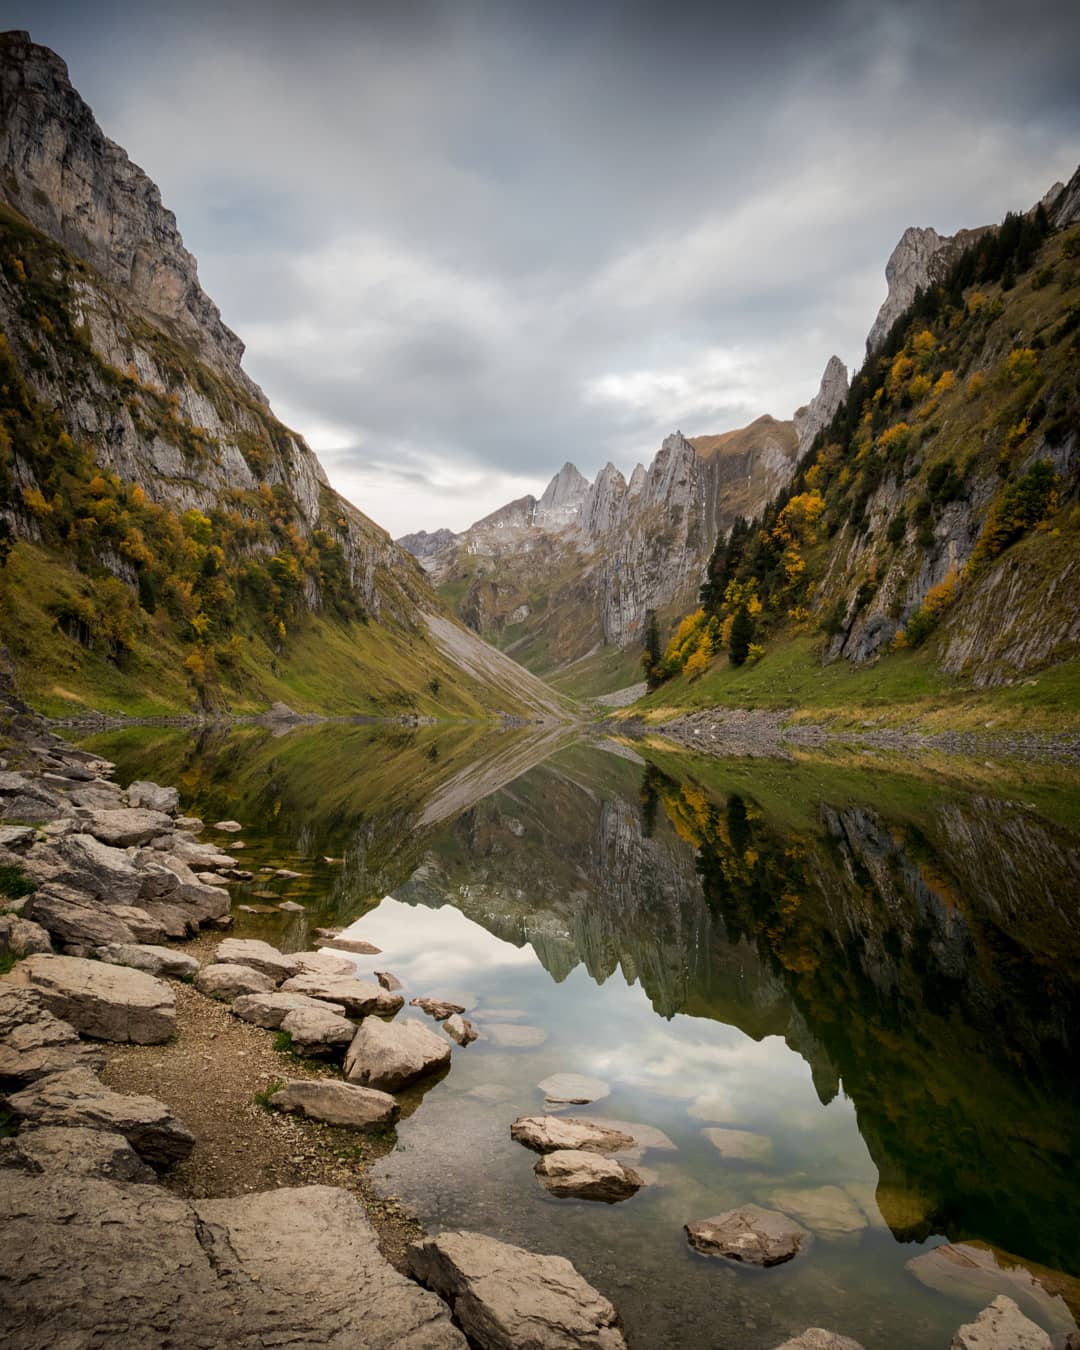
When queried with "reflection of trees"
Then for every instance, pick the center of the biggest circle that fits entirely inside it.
(949, 1007)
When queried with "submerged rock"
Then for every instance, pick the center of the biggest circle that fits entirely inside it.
(505, 1297)
(1001, 1326)
(109, 1003)
(750, 1234)
(828, 1210)
(545, 1134)
(743, 1145)
(391, 1055)
(344, 1104)
(587, 1176)
(513, 1037)
(573, 1089)
(79, 1099)
(460, 1029)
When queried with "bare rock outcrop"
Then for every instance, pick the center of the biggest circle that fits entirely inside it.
(819, 412)
(505, 1297)
(108, 1003)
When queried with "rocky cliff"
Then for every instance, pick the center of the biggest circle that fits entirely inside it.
(821, 409)
(174, 544)
(921, 258)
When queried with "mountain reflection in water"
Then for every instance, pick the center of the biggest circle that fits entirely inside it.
(915, 943)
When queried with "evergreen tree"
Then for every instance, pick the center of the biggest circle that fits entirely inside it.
(653, 654)
(742, 634)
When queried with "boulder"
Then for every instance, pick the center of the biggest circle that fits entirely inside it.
(317, 1030)
(817, 1338)
(740, 1145)
(323, 963)
(258, 955)
(79, 1152)
(750, 1234)
(229, 826)
(199, 855)
(22, 937)
(88, 864)
(356, 945)
(72, 922)
(505, 1298)
(27, 800)
(228, 982)
(344, 1104)
(546, 1134)
(1001, 1326)
(290, 907)
(388, 981)
(391, 1055)
(270, 1010)
(159, 880)
(573, 1089)
(98, 796)
(126, 826)
(460, 1029)
(190, 824)
(587, 1176)
(34, 1042)
(356, 996)
(175, 921)
(974, 1274)
(79, 1099)
(435, 1007)
(109, 1003)
(102, 1263)
(17, 837)
(163, 961)
(144, 927)
(154, 798)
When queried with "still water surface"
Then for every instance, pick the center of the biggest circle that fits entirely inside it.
(871, 970)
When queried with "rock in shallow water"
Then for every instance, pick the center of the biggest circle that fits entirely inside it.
(750, 1234)
(573, 1089)
(390, 1055)
(817, 1338)
(1001, 1326)
(110, 1003)
(545, 1134)
(344, 1104)
(741, 1145)
(460, 1029)
(577, 1174)
(436, 1007)
(505, 1297)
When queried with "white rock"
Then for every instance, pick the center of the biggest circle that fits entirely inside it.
(109, 1003)
(391, 1055)
(343, 1104)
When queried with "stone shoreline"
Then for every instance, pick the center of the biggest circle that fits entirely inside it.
(115, 1229)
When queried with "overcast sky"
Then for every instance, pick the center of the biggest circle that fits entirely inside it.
(465, 242)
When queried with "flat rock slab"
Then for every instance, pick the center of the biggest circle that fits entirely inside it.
(1001, 1326)
(127, 826)
(750, 1234)
(356, 996)
(817, 1338)
(573, 1089)
(513, 1037)
(545, 1134)
(258, 955)
(269, 1010)
(34, 1042)
(84, 922)
(505, 1298)
(228, 982)
(960, 1270)
(323, 963)
(318, 1030)
(391, 1055)
(79, 1152)
(645, 1137)
(741, 1145)
(165, 962)
(109, 1003)
(344, 1104)
(577, 1174)
(357, 945)
(103, 1263)
(828, 1210)
(80, 1100)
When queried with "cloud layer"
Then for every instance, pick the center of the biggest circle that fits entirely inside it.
(465, 242)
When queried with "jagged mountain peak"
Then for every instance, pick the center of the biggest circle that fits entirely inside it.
(562, 499)
(818, 413)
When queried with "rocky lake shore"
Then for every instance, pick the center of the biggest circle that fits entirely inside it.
(189, 1117)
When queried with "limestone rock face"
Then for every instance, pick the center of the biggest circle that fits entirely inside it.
(819, 411)
(99, 1263)
(78, 1099)
(391, 1055)
(344, 1104)
(920, 258)
(109, 1003)
(562, 498)
(34, 1043)
(587, 1176)
(545, 1134)
(1066, 207)
(1001, 1326)
(755, 1236)
(83, 1152)
(505, 1297)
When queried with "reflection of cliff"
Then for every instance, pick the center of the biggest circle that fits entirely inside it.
(937, 967)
